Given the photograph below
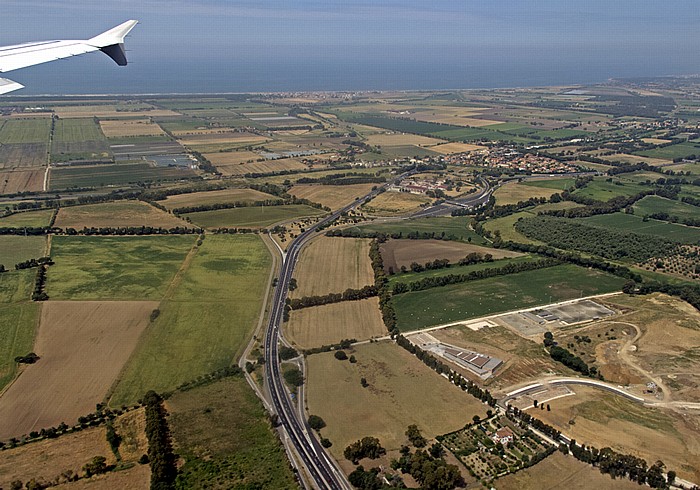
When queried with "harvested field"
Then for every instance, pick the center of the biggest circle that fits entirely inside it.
(214, 197)
(82, 347)
(234, 157)
(396, 203)
(47, 459)
(398, 253)
(23, 155)
(267, 166)
(116, 214)
(333, 196)
(332, 265)
(401, 391)
(130, 127)
(29, 219)
(449, 148)
(222, 138)
(400, 139)
(329, 324)
(22, 181)
(512, 193)
(251, 217)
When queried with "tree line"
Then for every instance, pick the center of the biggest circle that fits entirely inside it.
(381, 236)
(28, 264)
(160, 449)
(381, 283)
(348, 295)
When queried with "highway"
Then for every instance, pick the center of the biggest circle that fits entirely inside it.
(470, 201)
(318, 464)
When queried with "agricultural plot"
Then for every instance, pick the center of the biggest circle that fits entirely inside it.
(332, 265)
(679, 150)
(634, 159)
(602, 190)
(78, 139)
(483, 297)
(251, 217)
(396, 203)
(24, 155)
(227, 165)
(17, 248)
(453, 228)
(117, 174)
(401, 391)
(513, 193)
(114, 268)
(558, 184)
(121, 128)
(400, 139)
(127, 111)
(655, 205)
(204, 198)
(14, 181)
(506, 227)
(450, 148)
(206, 318)
(23, 131)
(82, 347)
(28, 219)
(116, 214)
(223, 434)
(628, 222)
(333, 196)
(221, 140)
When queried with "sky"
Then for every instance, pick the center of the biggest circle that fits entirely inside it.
(381, 44)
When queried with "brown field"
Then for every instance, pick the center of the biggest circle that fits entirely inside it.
(449, 148)
(655, 141)
(234, 157)
(219, 138)
(116, 214)
(396, 203)
(603, 419)
(220, 162)
(633, 159)
(397, 253)
(333, 196)
(565, 472)
(329, 324)
(22, 180)
(401, 139)
(402, 391)
(47, 459)
(214, 197)
(130, 127)
(332, 265)
(83, 346)
(512, 193)
(102, 111)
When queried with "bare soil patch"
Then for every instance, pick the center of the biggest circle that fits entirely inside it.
(22, 180)
(82, 346)
(116, 214)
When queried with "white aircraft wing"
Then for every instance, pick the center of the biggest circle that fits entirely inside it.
(110, 42)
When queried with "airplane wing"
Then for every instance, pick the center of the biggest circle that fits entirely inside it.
(110, 42)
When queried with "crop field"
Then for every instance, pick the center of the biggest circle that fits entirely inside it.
(401, 391)
(116, 214)
(76, 131)
(230, 158)
(228, 166)
(398, 253)
(62, 386)
(603, 419)
(15, 249)
(13, 181)
(483, 297)
(629, 222)
(656, 204)
(23, 155)
(206, 318)
(602, 190)
(22, 131)
(400, 139)
(329, 324)
(634, 159)
(48, 459)
(115, 268)
(228, 138)
(396, 203)
(129, 111)
(512, 193)
(78, 139)
(251, 217)
(223, 433)
(679, 150)
(215, 197)
(121, 128)
(450, 148)
(454, 228)
(505, 226)
(333, 196)
(332, 265)
(117, 174)
(558, 184)
(29, 219)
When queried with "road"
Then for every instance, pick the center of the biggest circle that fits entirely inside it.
(318, 464)
(470, 201)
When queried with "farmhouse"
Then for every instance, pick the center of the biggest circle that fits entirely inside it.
(503, 435)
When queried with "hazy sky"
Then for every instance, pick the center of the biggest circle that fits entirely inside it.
(605, 38)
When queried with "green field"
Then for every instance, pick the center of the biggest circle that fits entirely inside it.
(18, 320)
(560, 184)
(29, 219)
(21, 131)
(223, 433)
(474, 299)
(504, 226)
(251, 217)
(679, 150)
(15, 249)
(206, 321)
(656, 204)
(628, 222)
(601, 190)
(121, 173)
(452, 227)
(114, 268)
(78, 139)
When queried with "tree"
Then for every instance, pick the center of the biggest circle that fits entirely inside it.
(294, 377)
(352, 359)
(476, 419)
(364, 383)
(340, 355)
(415, 437)
(287, 353)
(96, 466)
(316, 422)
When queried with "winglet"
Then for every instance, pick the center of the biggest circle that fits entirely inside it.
(7, 86)
(111, 42)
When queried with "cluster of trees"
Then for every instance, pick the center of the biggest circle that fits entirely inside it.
(382, 237)
(30, 358)
(228, 205)
(381, 283)
(294, 377)
(366, 480)
(39, 294)
(235, 231)
(611, 244)
(431, 472)
(160, 449)
(160, 194)
(613, 205)
(347, 178)
(508, 209)
(130, 230)
(517, 415)
(28, 264)
(429, 266)
(415, 437)
(287, 353)
(343, 344)
(348, 295)
(255, 175)
(572, 361)
(691, 200)
(439, 281)
(367, 447)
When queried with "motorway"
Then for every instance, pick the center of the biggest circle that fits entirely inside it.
(318, 464)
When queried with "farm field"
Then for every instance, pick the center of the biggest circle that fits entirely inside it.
(220, 161)
(29, 219)
(395, 203)
(251, 217)
(62, 386)
(401, 391)
(223, 433)
(655, 204)
(679, 150)
(120, 128)
(128, 111)
(333, 196)
(329, 324)
(512, 193)
(206, 318)
(453, 228)
(558, 184)
(115, 215)
(603, 419)
(115, 174)
(78, 139)
(23, 131)
(13, 181)
(400, 139)
(483, 297)
(332, 265)
(222, 139)
(48, 459)
(602, 190)
(23, 155)
(449, 148)
(16, 248)
(398, 253)
(215, 197)
(505, 226)
(628, 222)
(115, 268)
